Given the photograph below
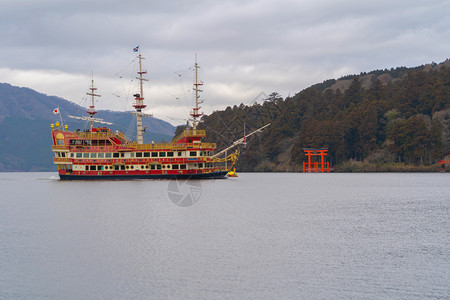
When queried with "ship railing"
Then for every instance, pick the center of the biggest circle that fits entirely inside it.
(192, 132)
(195, 145)
(173, 146)
(94, 134)
(122, 136)
(62, 160)
(98, 134)
(59, 147)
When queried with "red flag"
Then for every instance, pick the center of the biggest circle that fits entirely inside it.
(56, 111)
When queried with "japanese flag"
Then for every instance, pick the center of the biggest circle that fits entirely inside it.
(56, 111)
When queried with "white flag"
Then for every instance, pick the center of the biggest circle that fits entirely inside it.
(56, 111)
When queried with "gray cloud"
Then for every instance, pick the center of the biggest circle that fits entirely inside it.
(244, 47)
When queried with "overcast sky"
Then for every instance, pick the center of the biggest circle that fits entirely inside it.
(245, 48)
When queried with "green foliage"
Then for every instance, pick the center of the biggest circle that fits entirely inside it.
(413, 141)
(392, 117)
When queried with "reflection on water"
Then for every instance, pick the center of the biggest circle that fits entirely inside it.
(258, 236)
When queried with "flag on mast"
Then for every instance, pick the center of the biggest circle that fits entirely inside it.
(136, 49)
(56, 111)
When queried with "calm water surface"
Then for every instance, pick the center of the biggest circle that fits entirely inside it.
(259, 236)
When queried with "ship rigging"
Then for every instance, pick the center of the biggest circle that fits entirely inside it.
(100, 153)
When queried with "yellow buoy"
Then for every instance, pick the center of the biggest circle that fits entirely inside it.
(232, 173)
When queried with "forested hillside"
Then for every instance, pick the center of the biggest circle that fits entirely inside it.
(385, 116)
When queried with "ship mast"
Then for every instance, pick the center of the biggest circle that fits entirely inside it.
(91, 110)
(139, 105)
(195, 110)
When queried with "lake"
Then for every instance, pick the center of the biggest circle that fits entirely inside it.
(258, 236)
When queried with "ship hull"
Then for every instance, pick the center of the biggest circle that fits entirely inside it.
(211, 175)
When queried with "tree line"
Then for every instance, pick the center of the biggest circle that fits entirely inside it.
(382, 121)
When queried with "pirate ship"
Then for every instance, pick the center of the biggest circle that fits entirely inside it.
(100, 153)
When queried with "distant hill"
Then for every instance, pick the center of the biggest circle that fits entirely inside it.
(25, 118)
(400, 115)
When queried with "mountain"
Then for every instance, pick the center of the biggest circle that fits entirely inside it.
(25, 118)
(381, 117)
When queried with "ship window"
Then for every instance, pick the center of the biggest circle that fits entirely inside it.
(175, 167)
(132, 167)
(179, 153)
(122, 167)
(200, 165)
(100, 168)
(108, 155)
(152, 167)
(162, 154)
(146, 154)
(138, 154)
(131, 154)
(101, 155)
(116, 167)
(154, 154)
(169, 154)
(122, 154)
(72, 142)
(92, 168)
(71, 154)
(146, 166)
(86, 168)
(79, 155)
(164, 166)
(63, 154)
(116, 154)
(182, 167)
(158, 167)
(193, 153)
(86, 155)
(93, 155)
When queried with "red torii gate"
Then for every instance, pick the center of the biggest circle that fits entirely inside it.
(316, 167)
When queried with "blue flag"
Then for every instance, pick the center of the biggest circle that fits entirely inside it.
(136, 49)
